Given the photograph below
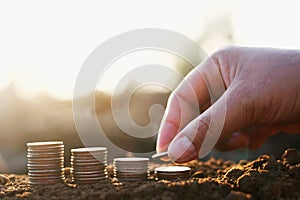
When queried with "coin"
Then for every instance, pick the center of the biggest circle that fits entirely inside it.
(44, 144)
(45, 162)
(87, 169)
(131, 169)
(92, 163)
(32, 175)
(88, 165)
(39, 154)
(173, 172)
(89, 151)
(160, 155)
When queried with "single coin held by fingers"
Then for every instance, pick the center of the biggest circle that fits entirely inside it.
(160, 155)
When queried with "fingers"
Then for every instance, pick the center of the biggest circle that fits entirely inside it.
(254, 137)
(184, 103)
(251, 138)
(237, 140)
(200, 135)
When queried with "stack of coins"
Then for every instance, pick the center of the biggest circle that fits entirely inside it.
(131, 169)
(171, 173)
(45, 163)
(88, 165)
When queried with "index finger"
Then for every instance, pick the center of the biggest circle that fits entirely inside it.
(185, 101)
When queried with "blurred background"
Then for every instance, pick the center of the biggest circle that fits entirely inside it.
(44, 44)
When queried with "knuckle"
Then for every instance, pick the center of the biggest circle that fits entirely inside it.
(225, 51)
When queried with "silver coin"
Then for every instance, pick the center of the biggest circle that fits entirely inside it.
(133, 171)
(172, 172)
(90, 175)
(30, 169)
(46, 171)
(48, 143)
(46, 148)
(132, 165)
(88, 172)
(91, 164)
(58, 165)
(173, 169)
(89, 159)
(43, 170)
(131, 159)
(46, 159)
(87, 169)
(77, 176)
(45, 177)
(103, 160)
(89, 180)
(30, 174)
(45, 154)
(94, 163)
(52, 162)
(88, 165)
(160, 155)
(40, 171)
(89, 150)
(45, 164)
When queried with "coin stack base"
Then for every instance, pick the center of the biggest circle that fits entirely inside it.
(45, 163)
(131, 169)
(172, 173)
(88, 165)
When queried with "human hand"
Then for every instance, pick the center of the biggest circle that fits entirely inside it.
(261, 97)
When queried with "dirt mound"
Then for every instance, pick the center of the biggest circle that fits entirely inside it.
(263, 178)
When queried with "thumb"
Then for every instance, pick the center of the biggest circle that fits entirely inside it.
(223, 118)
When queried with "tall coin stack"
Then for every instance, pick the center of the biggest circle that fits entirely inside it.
(173, 173)
(45, 162)
(131, 169)
(88, 165)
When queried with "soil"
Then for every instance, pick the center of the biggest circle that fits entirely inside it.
(263, 178)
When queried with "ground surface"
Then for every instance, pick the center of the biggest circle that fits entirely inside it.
(263, 178)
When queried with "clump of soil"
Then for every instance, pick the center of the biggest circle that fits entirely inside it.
(263, 178)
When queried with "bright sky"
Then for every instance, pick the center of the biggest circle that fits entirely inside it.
(44, 43)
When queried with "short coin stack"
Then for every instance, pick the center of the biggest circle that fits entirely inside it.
(45, 162)
(88, 165)
(173, 173)
(131, 169)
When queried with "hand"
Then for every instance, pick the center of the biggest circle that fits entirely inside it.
(260, 96)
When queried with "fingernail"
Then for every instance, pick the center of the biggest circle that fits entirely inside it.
(179, 147)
